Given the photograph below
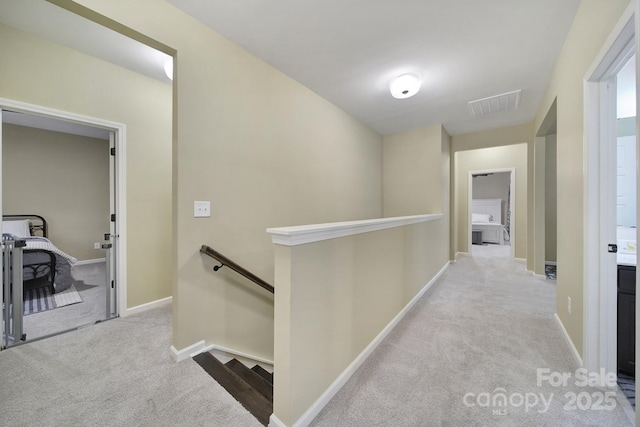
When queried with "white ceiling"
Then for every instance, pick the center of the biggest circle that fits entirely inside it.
(348, 50)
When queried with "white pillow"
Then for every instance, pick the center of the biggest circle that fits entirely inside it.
(477, 217)
(19, 228)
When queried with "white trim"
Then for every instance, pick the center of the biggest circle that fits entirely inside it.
(599, 301)
(188, 352)
(121, 205)
(298, 235)
(221, 353)
(328, 394)
(147, 306)
(90, 261)
(567, 338)
(224, 354)
(275, 421)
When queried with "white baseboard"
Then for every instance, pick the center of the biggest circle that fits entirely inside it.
(567, 338)
(90, 261)
(188, 352)
(275, 421)
(324, 399)
(148, 306)
(223, 354)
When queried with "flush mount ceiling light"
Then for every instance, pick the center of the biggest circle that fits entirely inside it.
(405, 86)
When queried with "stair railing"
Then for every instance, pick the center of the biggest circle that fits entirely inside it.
(235, 267)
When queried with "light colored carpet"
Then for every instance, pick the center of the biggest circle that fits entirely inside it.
(90, 282)
(482, 330)
(116, 373)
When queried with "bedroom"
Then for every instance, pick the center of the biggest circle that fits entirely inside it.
(491, 208)
(64, 178)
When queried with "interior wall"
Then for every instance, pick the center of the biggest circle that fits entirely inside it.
(336, 299)
(513, 156)
(266, 152)
(472, 144)
(411, 183)
(592, 25)
(62, 177)
(551, 199)
(39, 72)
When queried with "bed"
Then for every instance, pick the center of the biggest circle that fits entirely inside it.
(44, 264)
(486, 219)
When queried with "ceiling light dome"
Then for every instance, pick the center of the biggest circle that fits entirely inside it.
(404, 86)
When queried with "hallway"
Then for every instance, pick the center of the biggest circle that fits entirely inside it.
(482, 332)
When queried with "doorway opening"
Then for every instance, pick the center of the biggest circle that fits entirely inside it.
(61, 180)
(545, 215)
(492, 213)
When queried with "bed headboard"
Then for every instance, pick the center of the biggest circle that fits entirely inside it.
(37, 224)
(492, 207)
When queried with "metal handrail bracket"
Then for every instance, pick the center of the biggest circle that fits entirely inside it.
(226, 262)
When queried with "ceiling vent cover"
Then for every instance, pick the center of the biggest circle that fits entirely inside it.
(495, 104)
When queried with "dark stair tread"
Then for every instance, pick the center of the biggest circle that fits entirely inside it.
(258, 405)
(263, 373)
(252, 378)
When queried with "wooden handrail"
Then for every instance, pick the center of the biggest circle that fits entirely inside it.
(235, 267)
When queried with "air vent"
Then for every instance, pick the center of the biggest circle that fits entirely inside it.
(495, 104)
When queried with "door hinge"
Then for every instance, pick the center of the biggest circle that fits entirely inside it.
(113, 217)
(113, 151)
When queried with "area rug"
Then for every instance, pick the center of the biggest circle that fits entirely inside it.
(67, 297)
(628, 386)
(40, 299)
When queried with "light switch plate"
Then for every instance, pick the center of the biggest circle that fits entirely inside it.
(201, 209)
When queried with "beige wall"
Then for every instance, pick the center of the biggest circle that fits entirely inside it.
(495, 149)
(266, 152)
(64, 178)
(43, 73)
(411, 184)
(513, 156)
(471, 145)
(551, 199)
(335, 296)
(593, 24)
